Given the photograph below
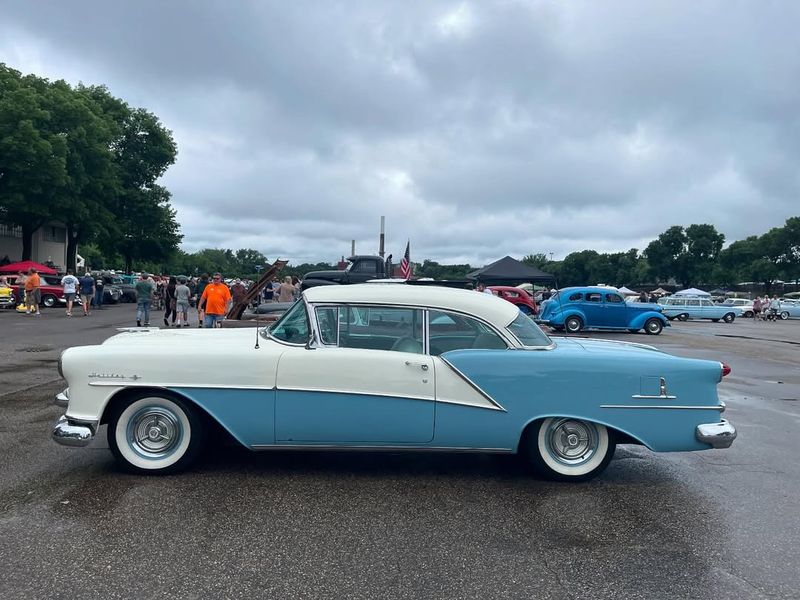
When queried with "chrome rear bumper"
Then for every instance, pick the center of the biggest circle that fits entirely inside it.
(71, 434)
(718, 435)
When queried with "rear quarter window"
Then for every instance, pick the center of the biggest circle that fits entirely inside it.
(576, 297)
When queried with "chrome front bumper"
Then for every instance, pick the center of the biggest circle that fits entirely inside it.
(71, 434)
(718, 435)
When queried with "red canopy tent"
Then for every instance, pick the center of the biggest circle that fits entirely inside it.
(25, 265)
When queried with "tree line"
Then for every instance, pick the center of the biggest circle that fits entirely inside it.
(79, 155)
(691, 256)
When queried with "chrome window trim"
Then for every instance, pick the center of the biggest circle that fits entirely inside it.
(720, 407)
(473, 385)
(510, 339)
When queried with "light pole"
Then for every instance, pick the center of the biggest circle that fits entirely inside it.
(551, 257)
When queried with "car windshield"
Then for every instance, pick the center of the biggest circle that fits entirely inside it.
(527, 332)
(292, 327)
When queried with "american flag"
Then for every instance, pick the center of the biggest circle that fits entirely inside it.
(405, 264)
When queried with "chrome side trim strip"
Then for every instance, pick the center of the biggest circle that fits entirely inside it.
(184, 385)
(355, 393)
(473, 385)
(645, 397)
(379, 448)
(457, 403)
(662, 407)
(62, 398)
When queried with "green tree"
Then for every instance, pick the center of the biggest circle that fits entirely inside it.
(687, 255)
(33, 154)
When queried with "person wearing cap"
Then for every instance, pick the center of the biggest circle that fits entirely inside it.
(216, 301)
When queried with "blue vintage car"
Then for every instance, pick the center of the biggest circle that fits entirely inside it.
(685, 308)
(389, 367)
(576, 308)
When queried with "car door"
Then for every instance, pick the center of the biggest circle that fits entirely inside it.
(695, 310)
(615, 311)
(592, 307)
(356, 387)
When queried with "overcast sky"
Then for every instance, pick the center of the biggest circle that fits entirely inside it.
(478, 128)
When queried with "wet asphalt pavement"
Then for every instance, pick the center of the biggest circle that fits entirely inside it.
(721, 523)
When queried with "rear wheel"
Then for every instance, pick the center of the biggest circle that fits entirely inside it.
(729, 317)
(49, 300)
(566, 449)
(573, 324)
(155, 433)
(748, 314)
(653, 326)
(784, 315)
(683, 317)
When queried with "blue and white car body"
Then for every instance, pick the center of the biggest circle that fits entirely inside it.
(789, 309)
(685, 308)
(389, 367)
(576, 308)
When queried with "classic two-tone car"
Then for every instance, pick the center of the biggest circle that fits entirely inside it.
(576, 308)
(685, 308)
(389, 367)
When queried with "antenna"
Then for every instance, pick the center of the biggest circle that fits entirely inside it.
(257, 328)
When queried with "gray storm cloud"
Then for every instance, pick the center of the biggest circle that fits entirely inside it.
(477, 128)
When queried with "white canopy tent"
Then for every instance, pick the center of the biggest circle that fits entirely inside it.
(625, 291)
(692, 292)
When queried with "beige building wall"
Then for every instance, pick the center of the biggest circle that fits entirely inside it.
(49, 243)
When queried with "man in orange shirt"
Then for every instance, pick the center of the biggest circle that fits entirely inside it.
(216, 301)
(33, 294)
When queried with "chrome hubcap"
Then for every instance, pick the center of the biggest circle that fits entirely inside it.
(571, 442)
(154, 432)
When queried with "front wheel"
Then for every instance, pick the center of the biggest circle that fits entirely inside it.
(784, 315)
(683, 317)
(566, 449)
(653, 326)
(729, 317)
(573, 324)
(154, 433)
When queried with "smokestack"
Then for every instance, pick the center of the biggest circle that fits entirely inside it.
(383, 229)
(352, 247)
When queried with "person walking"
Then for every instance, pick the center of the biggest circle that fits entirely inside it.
(70, 283)
(199, 289)
(86, 286)
(775, 308)
(215, 301)
(238, 290)
(99, 286)
(757, 309)
(182, 295)
(169, 301)
(33, 292)
(144, 295)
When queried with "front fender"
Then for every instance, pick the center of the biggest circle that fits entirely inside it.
(639, 321)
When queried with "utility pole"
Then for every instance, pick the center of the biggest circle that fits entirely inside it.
(382, 238)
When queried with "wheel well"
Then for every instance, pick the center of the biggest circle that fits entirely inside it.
(209, 421)
(617, 436)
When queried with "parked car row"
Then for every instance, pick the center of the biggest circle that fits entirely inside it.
(52, 292)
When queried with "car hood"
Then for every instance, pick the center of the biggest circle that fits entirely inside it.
(134, 337)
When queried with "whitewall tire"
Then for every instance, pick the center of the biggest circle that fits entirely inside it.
(567, 449)
(155, 434)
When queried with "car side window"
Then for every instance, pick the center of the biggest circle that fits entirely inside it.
(328, 319)
(706, 303)
(365, 266)
(381, 328)
(613, 299)
(576, 297)
(693, 303)
(594, 297)
(451, 331)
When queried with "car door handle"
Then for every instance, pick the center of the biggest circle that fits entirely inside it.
(422, 366)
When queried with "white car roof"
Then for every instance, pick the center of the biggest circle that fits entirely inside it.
(485, 306)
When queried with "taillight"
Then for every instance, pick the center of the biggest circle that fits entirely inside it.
(726, 369)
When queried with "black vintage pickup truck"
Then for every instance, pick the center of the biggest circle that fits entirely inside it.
(361, 269)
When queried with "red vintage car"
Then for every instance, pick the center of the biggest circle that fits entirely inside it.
(52, 292)
(517, 296)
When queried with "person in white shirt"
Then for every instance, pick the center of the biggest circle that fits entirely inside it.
(775, 308)
(70, 283)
